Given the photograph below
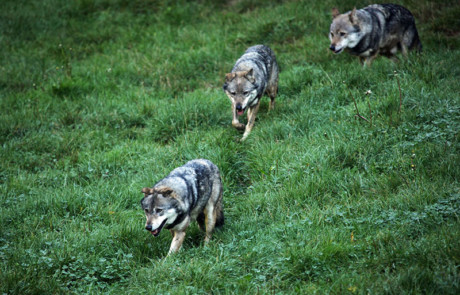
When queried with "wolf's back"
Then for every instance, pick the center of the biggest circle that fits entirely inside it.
(398, 18)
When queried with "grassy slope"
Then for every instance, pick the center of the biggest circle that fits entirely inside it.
(101, 98)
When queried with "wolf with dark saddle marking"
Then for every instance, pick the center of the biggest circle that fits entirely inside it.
(190, 192)
(254, 73)
(376, 29)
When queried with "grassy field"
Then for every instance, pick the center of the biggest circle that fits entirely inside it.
(100, 98)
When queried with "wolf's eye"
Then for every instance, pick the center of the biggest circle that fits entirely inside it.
(232, 92)
(342, 34)
(246, 93)
(332, 34)
(146, 211)
(158, 210)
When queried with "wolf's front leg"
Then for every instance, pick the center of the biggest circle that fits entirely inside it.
(252, 113)
(369, 59)
(177, 241)
(235, 122)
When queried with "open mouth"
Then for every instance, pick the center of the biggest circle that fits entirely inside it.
(240, 112)
(338, 50)
(157, 231)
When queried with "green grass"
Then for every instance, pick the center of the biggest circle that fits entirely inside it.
(100, 98)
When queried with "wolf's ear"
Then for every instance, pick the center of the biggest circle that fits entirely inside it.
(147, 191)
(164, 190)
(229, 77)
(250, 75)
(335, 12)
(352, 16)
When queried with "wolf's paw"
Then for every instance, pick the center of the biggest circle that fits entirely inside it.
(245, 135)
(239, 126)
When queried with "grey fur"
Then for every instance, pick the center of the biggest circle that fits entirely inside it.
(190, 192)
(376, 29)
(254, 73)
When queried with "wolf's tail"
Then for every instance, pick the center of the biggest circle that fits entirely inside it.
(416, 43)
(220, 219)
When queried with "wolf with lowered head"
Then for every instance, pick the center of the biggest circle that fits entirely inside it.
(376, 29)
(254, 73)
(190, 192)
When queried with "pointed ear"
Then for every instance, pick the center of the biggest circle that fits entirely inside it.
(352, 16)
(229, 77)
(147, 191)
(335, 12)
(250, 75)
(164, 190)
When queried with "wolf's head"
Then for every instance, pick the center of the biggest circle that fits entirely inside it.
(345, 30)
(241, 89)
(160, 208)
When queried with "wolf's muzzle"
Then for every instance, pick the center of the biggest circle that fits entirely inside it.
(157, 231)
(333, 48)
(239, 109)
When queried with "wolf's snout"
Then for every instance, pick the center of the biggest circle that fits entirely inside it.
(239, 109)
(336, 50)
(148, 227)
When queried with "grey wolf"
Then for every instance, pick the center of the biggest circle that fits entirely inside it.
(376, 29)
(254, 73)
(190, 192)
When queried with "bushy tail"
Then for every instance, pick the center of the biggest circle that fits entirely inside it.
(200, 219)
(220, 220)
(416, 43)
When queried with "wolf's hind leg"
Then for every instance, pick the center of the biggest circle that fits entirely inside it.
(272, 91)
(210, 221)
(213, 214)
(272, 88)
(392, 54)
(404, 50)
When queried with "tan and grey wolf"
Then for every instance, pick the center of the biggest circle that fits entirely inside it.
(254, 73)
(190, 192)
(376, 29)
